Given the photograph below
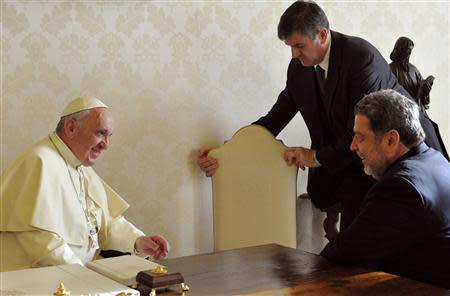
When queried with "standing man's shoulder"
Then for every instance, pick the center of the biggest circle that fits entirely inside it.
(352, 47)
(351, 42)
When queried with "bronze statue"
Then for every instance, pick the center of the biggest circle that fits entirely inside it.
(408, 75)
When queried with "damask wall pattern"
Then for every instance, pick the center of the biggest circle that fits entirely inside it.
(180, 75)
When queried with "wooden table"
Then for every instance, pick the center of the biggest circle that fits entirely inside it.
(276, 270)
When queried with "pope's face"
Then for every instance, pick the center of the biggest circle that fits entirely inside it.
(309, 51)
(91, 135)
(369, 148)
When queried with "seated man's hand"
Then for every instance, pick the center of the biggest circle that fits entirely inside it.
(206, 163)
(156, 246)
(302, 157)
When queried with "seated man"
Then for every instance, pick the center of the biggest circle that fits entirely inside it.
(55, 209)
(403, 226)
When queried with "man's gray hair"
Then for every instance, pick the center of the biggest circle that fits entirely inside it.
(304, 17)
(78, 117)
(387, 110)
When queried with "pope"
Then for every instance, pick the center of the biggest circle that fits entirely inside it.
(55, 209)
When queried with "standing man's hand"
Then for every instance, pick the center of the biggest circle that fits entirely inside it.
(302, 157)
(156, 246)
(206, 163)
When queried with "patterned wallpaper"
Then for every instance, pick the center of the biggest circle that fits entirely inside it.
(179, 75)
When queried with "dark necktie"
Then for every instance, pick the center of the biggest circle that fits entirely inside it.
(320, 74)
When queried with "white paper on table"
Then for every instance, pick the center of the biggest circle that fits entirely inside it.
(77, 279)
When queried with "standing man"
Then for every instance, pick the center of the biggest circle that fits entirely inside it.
(55, 209)
(328, 74)
(404, 223)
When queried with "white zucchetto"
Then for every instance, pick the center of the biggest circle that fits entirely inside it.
(82, 103)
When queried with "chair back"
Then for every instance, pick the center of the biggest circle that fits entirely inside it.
(254, 192)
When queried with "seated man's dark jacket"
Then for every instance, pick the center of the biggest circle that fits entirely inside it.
(356, 68)
(404, 223)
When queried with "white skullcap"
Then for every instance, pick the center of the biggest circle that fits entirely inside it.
(82, 103)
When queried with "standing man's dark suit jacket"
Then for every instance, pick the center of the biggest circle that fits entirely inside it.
(404, 223)
(356, 68)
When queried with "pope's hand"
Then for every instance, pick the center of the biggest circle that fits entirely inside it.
(156, 246)
(206, 163)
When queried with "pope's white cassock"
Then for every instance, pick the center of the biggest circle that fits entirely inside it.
(56, 211)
